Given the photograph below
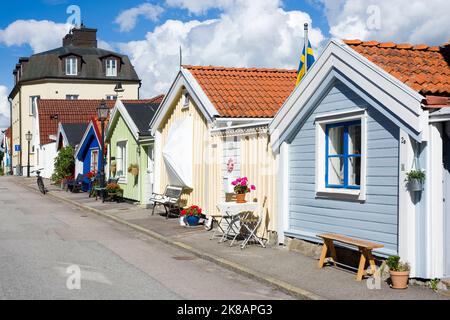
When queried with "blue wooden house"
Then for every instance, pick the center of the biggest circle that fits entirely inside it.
(89, 153)
(362, 118)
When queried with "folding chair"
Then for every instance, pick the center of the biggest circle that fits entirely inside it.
(249, 224)
(220, 232)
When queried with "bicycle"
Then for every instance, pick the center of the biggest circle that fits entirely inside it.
(40, 182)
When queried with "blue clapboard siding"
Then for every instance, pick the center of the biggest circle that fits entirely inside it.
(377, 218)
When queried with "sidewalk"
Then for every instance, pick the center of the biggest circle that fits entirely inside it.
(289, 271)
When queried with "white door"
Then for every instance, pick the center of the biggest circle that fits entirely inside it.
(447, 203)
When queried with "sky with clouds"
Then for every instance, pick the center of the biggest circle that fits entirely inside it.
(246, 33)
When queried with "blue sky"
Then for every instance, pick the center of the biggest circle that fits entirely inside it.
(240, 33)
(100, 14)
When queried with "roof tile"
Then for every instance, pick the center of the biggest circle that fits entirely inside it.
(424, 68)
(245, 92)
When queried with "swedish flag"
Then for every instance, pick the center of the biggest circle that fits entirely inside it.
(305, 64)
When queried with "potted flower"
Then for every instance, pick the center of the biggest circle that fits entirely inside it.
(90, 175)
(112, 187)
(133, 169)
(241, 188)
(415, 179)
(399, 272)
(192, 215)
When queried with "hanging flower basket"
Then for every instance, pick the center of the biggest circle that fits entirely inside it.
(415, 179)
(133, 169)
(415, 185)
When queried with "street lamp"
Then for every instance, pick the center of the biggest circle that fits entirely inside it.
(102, 114)
(28, 136)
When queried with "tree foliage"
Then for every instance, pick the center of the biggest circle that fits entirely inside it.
(64, 164)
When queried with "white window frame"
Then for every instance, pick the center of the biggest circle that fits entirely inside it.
(111, 97)
(72, 96)
(321, 123)
(71, 68)
(121, 145)
(95, 169)
(111, 67)
(33, 105)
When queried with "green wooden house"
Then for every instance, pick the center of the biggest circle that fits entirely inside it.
(131, 147)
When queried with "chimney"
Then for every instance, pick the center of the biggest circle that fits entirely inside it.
(81, 37)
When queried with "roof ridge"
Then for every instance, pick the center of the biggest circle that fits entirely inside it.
(392, 45)
(243, 69)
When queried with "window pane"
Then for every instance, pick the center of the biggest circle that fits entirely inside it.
(336, 140)
(354, 171)
(335, 171)
(354, 139)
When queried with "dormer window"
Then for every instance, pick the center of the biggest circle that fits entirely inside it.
(111, 67)
(71, 66)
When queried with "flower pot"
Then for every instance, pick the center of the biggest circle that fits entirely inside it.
(192, 220)
(415, 185)
(399, 279)
(135, 171)
(240, 198)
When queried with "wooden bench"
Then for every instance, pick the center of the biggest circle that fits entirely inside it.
(365, 248)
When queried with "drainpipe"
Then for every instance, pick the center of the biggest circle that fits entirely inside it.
(11, 142)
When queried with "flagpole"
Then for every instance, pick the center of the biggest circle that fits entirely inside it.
(306, 48)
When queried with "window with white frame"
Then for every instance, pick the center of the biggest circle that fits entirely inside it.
(71, 66)
(111, 67)
(72, 97)
(121, 159)
(341, 154)
(111, 97)
(94, 161)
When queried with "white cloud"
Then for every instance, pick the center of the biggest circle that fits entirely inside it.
(200, 6)
(35, 34)
(127, 19)
(4, 107)
(256, 33)
(414, 21)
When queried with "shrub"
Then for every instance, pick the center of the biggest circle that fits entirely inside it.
(64, 164)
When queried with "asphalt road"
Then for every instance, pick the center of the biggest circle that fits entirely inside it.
(44, 243)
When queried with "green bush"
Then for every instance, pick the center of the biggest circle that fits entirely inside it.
(2, 173)
(64, 164)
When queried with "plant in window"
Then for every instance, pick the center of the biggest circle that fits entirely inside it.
(113, 167)
(133, 169)
(415, 179)
(399, 272)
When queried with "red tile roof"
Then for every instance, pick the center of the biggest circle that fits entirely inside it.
(424, 68)
(245, 92)
(71, 111)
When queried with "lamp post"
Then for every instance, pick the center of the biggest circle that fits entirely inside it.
(28, 136)
(102, 114)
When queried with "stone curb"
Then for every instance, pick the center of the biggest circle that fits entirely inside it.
(271, 281)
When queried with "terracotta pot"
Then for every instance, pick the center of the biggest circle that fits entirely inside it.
(399, 279)
(240, 198)
(135, 171)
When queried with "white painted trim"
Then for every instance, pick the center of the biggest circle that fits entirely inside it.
(184, 80)
(283, 196)
(86, 132)
(435, 211)
(407, 247)
(123, 179)
(157, 163)
(243, 126)
(119, 109)
(321, 122)
(402, 101)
